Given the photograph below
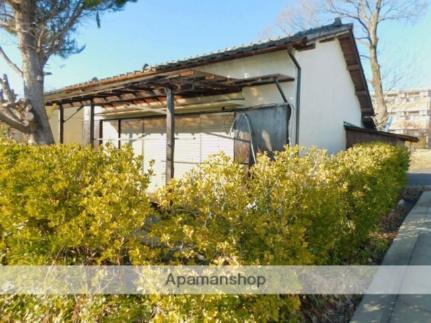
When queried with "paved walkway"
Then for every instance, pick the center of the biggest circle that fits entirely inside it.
(412, 246)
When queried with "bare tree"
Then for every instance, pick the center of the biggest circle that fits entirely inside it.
(368, 16)
(300, 15)
(43, 28)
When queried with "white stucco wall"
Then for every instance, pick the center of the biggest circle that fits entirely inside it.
(327, 97)
(254, 66)
(327, 93)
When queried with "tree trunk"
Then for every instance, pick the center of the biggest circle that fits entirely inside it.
(33, 91)
(381, 109)
(33, 76)
(376, 81)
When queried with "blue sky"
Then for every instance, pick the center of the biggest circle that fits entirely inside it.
(154, 31)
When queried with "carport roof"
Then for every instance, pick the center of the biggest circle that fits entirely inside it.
(184, 83)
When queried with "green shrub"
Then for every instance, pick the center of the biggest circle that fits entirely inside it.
(206, 219)
(71, 205)
(302, 207)
(297, 213)
(372, 176)
(203, 212)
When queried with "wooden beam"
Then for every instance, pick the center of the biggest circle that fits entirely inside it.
(61, 124)
(170, 131)
(99, 100)
(361, 93)
(92, 124)
(119, 133)
(116, 88)
(354, 67)
(280, 90)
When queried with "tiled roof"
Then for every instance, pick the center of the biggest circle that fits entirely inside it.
(223, 54)
(300, 40)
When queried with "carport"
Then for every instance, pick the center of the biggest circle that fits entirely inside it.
(152, 94)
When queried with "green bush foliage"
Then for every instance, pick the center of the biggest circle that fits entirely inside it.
(71, 205)
(371, 176)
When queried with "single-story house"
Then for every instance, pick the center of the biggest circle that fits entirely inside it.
(302, 89)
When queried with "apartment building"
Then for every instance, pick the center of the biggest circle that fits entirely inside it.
(410, 113)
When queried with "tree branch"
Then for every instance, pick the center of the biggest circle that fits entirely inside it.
(345, 13)
(16, 114)
(403, 10)
(10, 63)
(364, 56)
(7, 118)
(57, 40)
(7, 91)
(15, 4)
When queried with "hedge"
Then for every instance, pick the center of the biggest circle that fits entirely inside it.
(68, 205)
(65, 204)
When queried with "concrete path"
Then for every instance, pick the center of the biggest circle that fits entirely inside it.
(412, 246)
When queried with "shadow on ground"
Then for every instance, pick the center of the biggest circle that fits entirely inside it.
(420, 178)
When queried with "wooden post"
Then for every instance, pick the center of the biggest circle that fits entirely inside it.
(61, 124)
(100, 132)
(170, 132)
(92, 124)
(119, 133)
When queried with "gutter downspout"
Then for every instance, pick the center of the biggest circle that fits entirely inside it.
(298, 93)
(288, 110)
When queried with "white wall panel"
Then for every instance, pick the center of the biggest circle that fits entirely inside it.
(196, 138)
(110, 132)
(155, 149)
(187, 144)
(215, 135)
(132, 132)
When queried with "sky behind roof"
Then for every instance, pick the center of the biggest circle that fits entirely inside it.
(154, 31)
